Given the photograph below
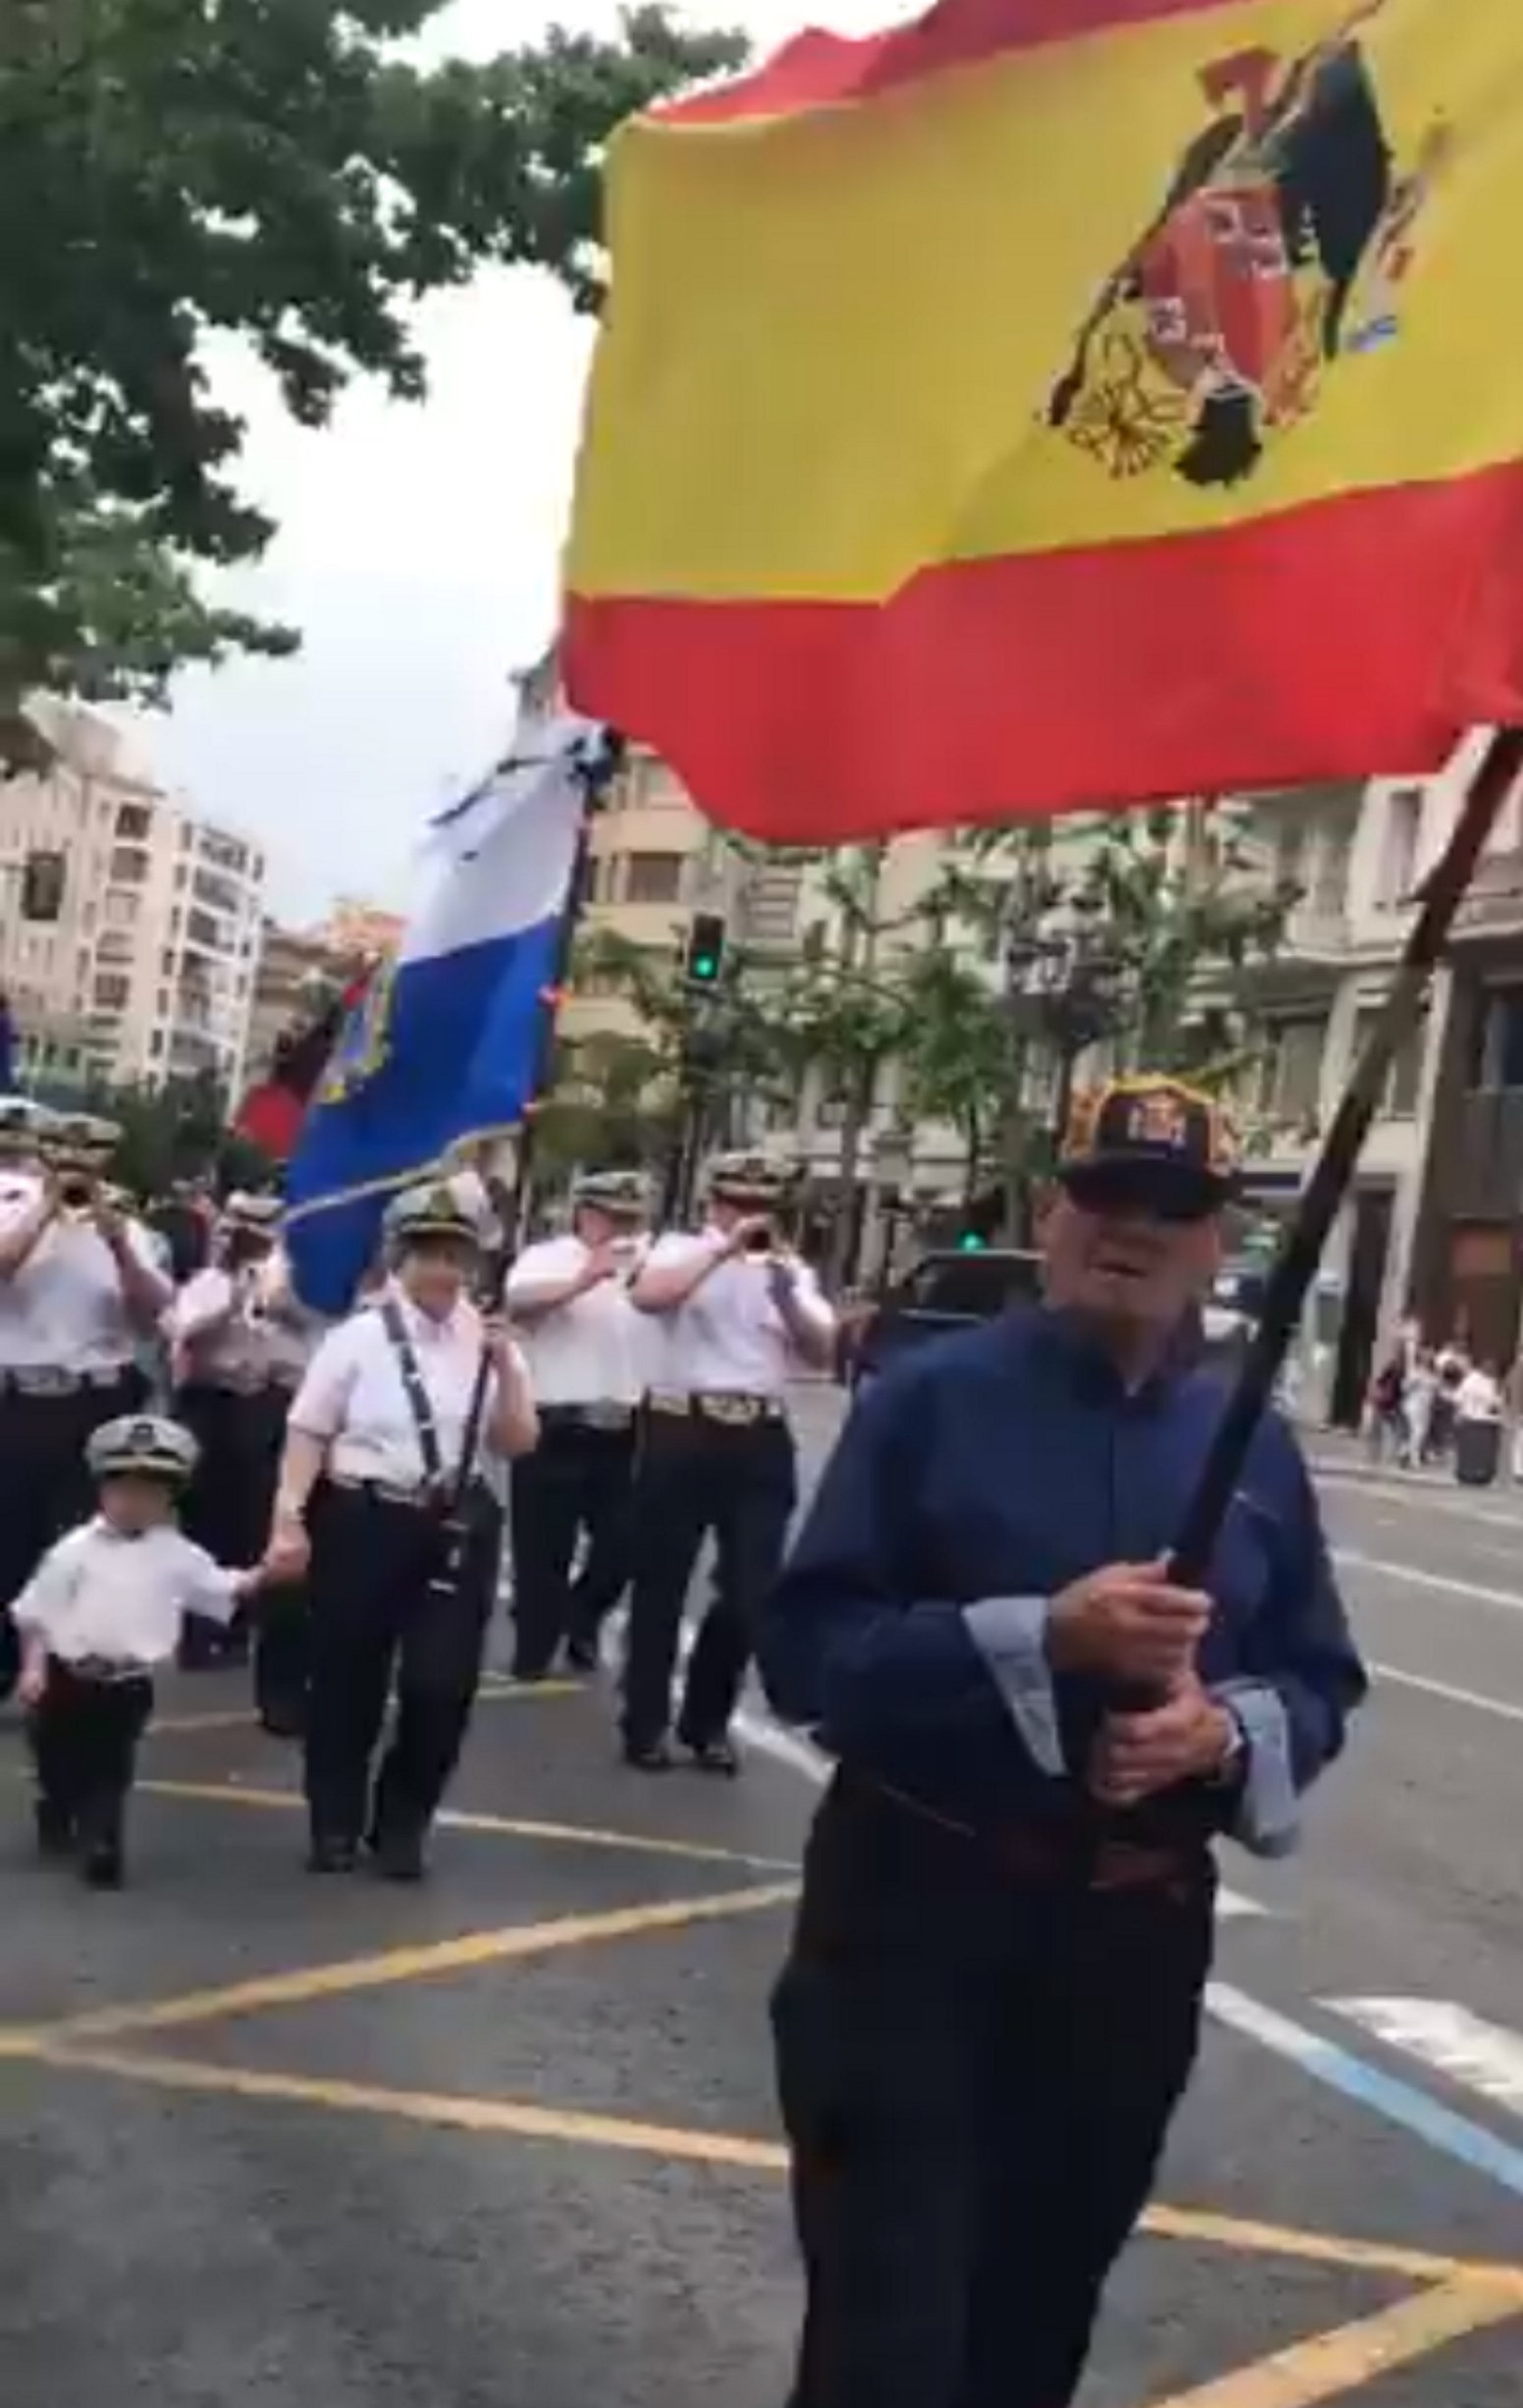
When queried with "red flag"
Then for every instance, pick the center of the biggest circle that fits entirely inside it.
(271, 1114)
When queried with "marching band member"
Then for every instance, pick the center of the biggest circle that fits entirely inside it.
(240, 1342)
(102, 1610)
(79, 1292)
(741, 1314)
(401, 1538)
(586, 1346)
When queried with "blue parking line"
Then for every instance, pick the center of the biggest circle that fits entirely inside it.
(1467, 2144)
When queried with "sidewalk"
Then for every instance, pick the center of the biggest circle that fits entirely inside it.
(1347, 1457)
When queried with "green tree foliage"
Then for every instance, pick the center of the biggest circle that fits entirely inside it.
(279, 170)
(1133, 931)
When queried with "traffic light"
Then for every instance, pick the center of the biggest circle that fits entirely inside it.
(704, 961)
(42, 886)
(973, 1242)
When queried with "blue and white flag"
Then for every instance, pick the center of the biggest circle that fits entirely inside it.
(442, 1049)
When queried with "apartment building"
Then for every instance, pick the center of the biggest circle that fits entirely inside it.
(143, 969)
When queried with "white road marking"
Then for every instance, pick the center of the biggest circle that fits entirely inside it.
(1447, 1690)
(1399, 2103)
(791, 1748)
(1351, 1559)
(1421, 1496)
(1483, 2056)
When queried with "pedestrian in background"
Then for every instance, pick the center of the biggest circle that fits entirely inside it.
(994, 1996)
(586, 1349)
(739, 1316)
(398, 1536)
(79, 1294)
(103, 1610)
(240, 1342)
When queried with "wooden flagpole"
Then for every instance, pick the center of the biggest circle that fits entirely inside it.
(1290, 1280)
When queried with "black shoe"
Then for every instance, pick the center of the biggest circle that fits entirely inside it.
(332, 1856)
(55, 1828)
(713, 1755)
(582, 1655)
(647, 1755)
(102, 1866)
(282, 1721)
(399, 1856)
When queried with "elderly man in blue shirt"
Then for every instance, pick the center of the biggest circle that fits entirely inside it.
(993, 2001)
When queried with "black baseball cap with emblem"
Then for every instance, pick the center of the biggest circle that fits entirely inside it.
(1154, 1144)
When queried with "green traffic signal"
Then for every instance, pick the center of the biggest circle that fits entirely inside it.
(971, 1243)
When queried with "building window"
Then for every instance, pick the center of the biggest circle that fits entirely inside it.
(134, 820)
(1290, 1075)
(654, 877)
(121, 911)
(1329, 882)
(1403, 832)
(1290, 836)
(202, 929)
(111, 991)
(129, 867)
(1496, 1054)
(1404, 1080)
(115, 946)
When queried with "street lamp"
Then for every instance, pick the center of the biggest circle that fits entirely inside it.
(1066, 987)
(893, 1171)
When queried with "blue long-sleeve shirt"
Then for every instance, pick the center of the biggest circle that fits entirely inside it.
(968, 1487)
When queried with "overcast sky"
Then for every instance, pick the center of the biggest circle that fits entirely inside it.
(417, 553)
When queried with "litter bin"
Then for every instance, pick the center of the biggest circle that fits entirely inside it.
(1476, 1453)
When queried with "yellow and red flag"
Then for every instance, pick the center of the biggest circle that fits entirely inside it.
(1062, 402)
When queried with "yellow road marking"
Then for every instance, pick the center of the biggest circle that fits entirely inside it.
(509, 1826)
(168, 1726)
(457, 2113)
(494, 1687)
(1331, 2363)
(307, 1982)
(1317, 2248)
(1446, 2279)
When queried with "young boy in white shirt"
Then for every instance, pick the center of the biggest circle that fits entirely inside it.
(105, 1606)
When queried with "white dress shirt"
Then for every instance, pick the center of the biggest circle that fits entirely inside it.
(241, 1330)
(596, 1350)
(99, 1593)
(64, 1308)
(353, 1396)
(729, 1337)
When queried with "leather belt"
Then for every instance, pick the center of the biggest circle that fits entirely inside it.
(248, 1383)
(1056, 1857)
(729, 1411)
(105, 1671)
(53, 1379)
(390, 1492)
(588, 1417)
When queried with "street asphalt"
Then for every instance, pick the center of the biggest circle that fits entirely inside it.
(509, 2141)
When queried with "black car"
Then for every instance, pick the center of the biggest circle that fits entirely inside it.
(954, 1290)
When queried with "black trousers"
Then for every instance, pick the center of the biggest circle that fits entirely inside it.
(696, 1477)
(84, 1736)
(374, 1615)
(227, 1511)
(577, 1479)
(977, 2078)
(46, 1487)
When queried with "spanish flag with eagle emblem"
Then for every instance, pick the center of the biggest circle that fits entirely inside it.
(1062, 403)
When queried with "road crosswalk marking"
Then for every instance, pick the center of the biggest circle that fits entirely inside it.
(1481, 2056)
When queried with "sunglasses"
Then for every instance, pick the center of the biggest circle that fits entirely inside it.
(1179, 1207)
